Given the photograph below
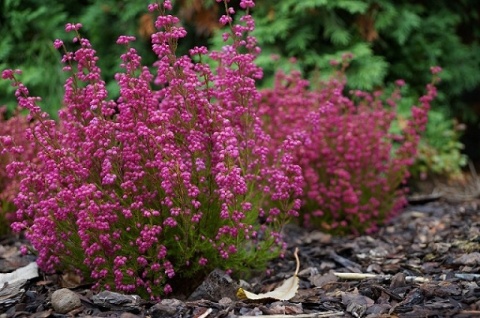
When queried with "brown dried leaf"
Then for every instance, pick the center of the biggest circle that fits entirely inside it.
(286, 291)
(70, 280)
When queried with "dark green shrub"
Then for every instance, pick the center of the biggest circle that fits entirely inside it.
(389, 40)
(27, 29)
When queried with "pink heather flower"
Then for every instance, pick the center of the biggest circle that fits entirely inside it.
(202, 50)
(17, 148)
(58, 43)
(334, 62)
(435, 69)
(244, 4)
(124, 40)
(72, 27)
(23, 250)
(178, 166)
(225, 19)
(152, 7)
(167, 289)
(167, 4)
(10, 74)
(7, 74)
(351, 174)
(202, 261)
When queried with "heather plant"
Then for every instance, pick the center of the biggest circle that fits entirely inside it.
(28, 26)
(150, 192)
(352, 163)
(439, 152)
(390, 39)
(12, 131)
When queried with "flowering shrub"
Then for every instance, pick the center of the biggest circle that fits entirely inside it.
(12, 132)
(162, 185)
(352, 164)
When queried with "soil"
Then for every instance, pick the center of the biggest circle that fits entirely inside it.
(424, 263)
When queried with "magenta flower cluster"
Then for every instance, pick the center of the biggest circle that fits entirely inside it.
(13, 147)
(169, 181)
(353, 165)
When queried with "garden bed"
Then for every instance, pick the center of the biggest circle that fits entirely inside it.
(426, 263)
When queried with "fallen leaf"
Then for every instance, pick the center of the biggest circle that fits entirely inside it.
(285, 291)
(70, 280)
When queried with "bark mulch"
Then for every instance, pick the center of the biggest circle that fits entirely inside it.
(425, 263)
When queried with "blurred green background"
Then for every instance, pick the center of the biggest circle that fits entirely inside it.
(390, 39)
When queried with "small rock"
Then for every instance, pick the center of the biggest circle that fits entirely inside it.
(168, 308)
(117, 301)
(225, 301)
(216, 286)
(472, 259)
(64, 300)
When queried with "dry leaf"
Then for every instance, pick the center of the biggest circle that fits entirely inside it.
(70, 280)
(285, 291)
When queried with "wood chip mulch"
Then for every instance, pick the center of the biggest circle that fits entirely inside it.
(425, 263)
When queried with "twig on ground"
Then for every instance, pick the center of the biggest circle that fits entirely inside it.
(359, 276)
(313, 315)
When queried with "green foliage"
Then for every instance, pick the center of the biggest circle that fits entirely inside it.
(439, 150)
(28, 29)
(316, 32)
(104, 22)
(389, 40)
(437, 33)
